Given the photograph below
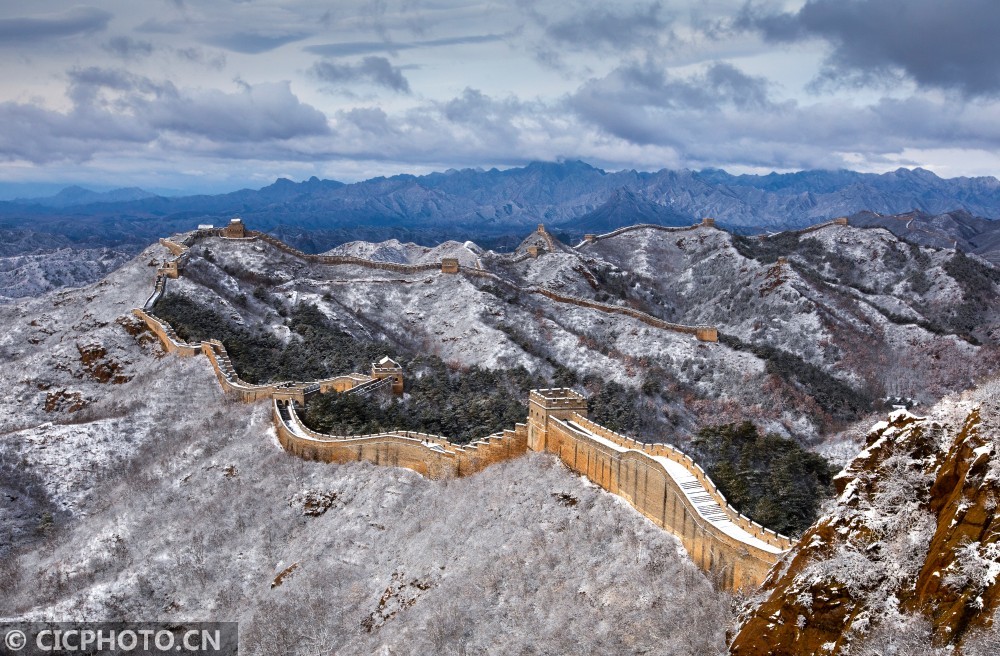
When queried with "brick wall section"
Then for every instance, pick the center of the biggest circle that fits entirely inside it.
(344, 259)
(675, 454)
(842, 221)
(163, 330)
(638, 226)
(230, 380)
(645, 484)
(174, 247)
(550, 242)
(430, 455)
(640, 479)
(703, 333)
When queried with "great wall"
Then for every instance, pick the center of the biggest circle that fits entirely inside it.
(658, 480)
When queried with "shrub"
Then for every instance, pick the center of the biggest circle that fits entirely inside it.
(769, 478)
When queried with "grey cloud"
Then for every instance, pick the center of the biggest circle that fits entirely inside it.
(645, 83)
(262, 112)
(126, 47)
(216, 60)
(86, 85)
(484, 114)
(371, 120)
(601, 27)
(368, 47)
(81, 20)
(38, 135)
(251, 43)
(946, 45)
(117, 79)
(377, 70)
(157, 26)
(723, 118)
(114, 109)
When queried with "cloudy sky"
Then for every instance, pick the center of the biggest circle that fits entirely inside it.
(213, 95)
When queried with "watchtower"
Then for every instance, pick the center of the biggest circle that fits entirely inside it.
(589, 238)
(558, 402)
(708, 222)
(235, 229)
(449, 265)
(535, 251)
(389, 368)
(170, 268)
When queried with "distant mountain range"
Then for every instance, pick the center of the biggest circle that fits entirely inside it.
(494, 207)
(75, 196)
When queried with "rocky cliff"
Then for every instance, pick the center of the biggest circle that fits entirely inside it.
(906, 560)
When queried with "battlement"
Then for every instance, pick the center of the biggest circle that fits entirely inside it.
(557, 397)
(449, 265)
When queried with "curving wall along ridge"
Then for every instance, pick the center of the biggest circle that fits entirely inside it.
(842, 221)
(657, 479)
(589, 239)
(703, 333)
(345, 259)
(430, 455)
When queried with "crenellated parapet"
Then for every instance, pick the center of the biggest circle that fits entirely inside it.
(433, 456)
(660, 482)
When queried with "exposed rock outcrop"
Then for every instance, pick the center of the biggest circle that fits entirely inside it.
(912, 540)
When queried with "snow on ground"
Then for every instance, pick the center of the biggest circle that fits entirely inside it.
(391, 250)
(32, 275)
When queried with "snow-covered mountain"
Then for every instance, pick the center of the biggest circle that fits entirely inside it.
(132, 486)
(845, 318)
(44, 271)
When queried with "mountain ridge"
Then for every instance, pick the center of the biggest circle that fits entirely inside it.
(572, 197)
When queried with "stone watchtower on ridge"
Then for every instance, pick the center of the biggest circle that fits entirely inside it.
(389, 368)
(235, 229)
(558, 402)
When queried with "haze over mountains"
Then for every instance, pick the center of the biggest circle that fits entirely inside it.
(495, 206)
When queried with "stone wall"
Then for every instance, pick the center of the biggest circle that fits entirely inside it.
(344, 259)
(703, 333)
(163, 330)
(430, 455)
(633, 471)
(590, 239)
